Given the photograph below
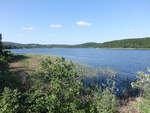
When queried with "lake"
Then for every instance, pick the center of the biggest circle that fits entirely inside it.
(126, 62)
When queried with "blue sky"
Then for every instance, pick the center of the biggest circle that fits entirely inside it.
(73, 21)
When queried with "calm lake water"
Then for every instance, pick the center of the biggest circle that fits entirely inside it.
(126, 62)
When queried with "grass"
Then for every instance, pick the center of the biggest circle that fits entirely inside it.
(28, 62)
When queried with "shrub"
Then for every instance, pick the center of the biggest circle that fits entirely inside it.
(60, 90)
(143, 84)
(9, 101)
(105, 102)
(57, 88)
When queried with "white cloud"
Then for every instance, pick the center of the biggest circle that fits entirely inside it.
(27, 28)
(83, 23)
(56, 25)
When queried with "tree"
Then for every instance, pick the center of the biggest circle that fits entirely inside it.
(57, 88)
(1, 46)
(9, 101)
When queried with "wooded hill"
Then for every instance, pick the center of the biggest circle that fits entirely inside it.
(11, 45)
(126, 43)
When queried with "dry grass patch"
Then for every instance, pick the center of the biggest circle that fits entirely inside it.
(28, 63)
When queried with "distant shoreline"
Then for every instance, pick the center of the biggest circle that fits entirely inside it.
(89, 48)
(130, 44)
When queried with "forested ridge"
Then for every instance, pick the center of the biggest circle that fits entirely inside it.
(125, 43)
(11, 45)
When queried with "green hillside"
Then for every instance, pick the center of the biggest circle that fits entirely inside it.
(11, 45)
(86, 45)
(127, 43)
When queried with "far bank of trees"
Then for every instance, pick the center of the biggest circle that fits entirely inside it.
(127, 43)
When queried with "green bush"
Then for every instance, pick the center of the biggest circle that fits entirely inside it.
(105, 102)
(143, 84)
(9, 101)
(57, 88)
(57, 82)
(61, 90)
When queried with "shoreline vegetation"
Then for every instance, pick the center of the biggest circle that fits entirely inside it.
(137, 43)
(28, 67)
(51, 84)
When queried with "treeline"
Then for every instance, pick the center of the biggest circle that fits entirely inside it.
(10, 45)
(127, 43)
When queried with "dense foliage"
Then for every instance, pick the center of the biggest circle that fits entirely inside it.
(127, 43)
(57, 88)
(7, 78)
(143, 84)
